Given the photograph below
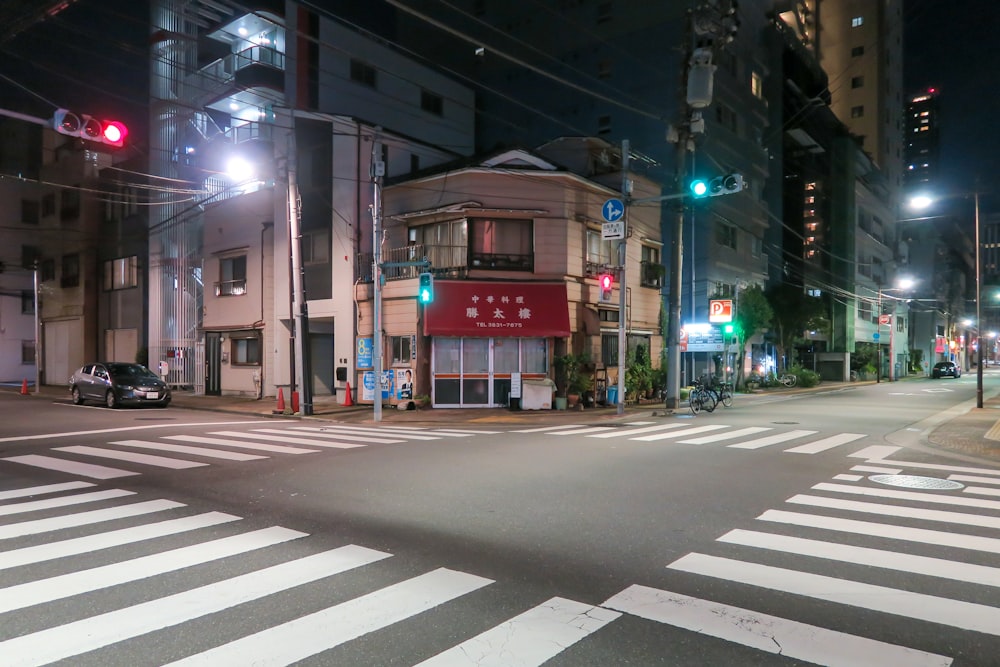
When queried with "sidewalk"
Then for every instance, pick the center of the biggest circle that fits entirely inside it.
(975, 433)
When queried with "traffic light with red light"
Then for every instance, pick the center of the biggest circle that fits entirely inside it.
(108, 132)
(606, 281)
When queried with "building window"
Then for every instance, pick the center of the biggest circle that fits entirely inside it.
(70, 270)
(857, 82)
(29, 212)
(599, 253)
(609, 349)
(501, 244)
(726, 117)
(757, 85)
(725, 234)
(445, 243)
(857, 21)
(857, 51)
(431, 103)
(756, 246)
(245, 351)
(362, 72)
(48, 205)
(651, 272)
(47, 268)
(315, 247)
(27, 302)
(402, 350)
(858, 111)
(27, 351)
(121, 273)
(69, 208)
(232, 277)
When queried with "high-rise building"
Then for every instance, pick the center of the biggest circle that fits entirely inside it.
(923, 141)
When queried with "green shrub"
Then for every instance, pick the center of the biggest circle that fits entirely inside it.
(807, 378)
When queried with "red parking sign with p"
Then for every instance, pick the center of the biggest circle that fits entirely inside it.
(720, 310)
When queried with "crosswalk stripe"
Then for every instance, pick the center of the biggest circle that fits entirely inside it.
(681, 434)
(62, 501)
(907, 495)
(920, 606)
(898, 510)
(878, 470)
(843, 477)
(875, 453)
(825, 444)
(890, 531)
(71, 467)
(114, 538)
(465, 431)
(85, 518)
(42, 490)
(772, 634)
(187, 449)
(542, 429)
(981, 490)
(85, 581)
(636, 431)
(300, 638)
(738, 433)
(88, 634)
(529, 639)
(256, 446)
(311, 442)
(772, 439)
(890, 560)
(132, 457)
(974, 479)
(394, 432)
(943, 467)
(582, 431)
(336, 433)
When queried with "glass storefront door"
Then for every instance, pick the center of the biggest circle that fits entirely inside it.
(475, 372)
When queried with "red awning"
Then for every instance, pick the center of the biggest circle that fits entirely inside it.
(477, 308)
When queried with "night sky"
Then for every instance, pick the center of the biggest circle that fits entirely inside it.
(92, 58)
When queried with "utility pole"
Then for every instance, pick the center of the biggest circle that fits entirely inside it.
(622, 286)
(378, 172)
(713, 25)
(300, 308)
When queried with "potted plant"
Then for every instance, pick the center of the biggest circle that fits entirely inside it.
(421, 400)
(571, 369)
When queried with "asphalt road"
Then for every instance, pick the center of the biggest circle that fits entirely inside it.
(744, 537)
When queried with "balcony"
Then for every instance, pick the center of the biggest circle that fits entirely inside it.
(651, 274)
(231, 287)
(444, 260)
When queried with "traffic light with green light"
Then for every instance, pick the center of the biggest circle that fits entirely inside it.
(425, 290)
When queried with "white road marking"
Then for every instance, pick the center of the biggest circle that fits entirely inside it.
(186, 449)
(975, 479)
(257, 446)
(636, 431)
(887, 530)
(529, 639)
(981, 490)
(62, 501)
(41, 490)
(306, 636)
(133, 457)
(876, 453)
(71, 467)
(908, 495)
(333, 433)
(908, 604)
(94, 632)
(114, 538)
(582, 431)
(849, 478)
(738, 433)
(825, 443)
(393, 432)
(772, 634)
(542, 429)
(878, 469)
(73, 434)
(84, 581)
(946, 468)
(889, 560)
(680, 434)
(772, 439)
(85, 518)
(898, 510)
(313, 442)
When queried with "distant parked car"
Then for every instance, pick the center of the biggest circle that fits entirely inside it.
(115, 384)
(946, 368)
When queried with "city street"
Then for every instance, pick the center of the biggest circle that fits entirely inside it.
(792, 528)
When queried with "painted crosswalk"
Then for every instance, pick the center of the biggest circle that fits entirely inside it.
(800, 441)
(128, 457)
(206, 613)
(380, 600)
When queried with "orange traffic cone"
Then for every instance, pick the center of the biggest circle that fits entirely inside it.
(348, 401)
(295, 402)
(24, 387)
(281, 402)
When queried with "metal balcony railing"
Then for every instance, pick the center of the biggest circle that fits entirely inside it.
(231, 288)
(651, 274)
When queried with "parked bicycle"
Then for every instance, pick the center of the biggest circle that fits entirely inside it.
(789, 379)
(722, 392)
(701, 398)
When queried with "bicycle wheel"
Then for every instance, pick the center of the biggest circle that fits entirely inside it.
(727, 398)
(793, 380)
(694, 402)
(710, 401)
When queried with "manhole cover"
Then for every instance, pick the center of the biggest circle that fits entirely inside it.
(917, 482)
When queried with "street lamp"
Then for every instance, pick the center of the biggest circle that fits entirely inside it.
(923, 201)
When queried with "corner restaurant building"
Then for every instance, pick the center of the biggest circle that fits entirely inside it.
(515, 246)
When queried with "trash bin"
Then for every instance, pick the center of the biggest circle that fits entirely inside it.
(613, 395)
(537, 394)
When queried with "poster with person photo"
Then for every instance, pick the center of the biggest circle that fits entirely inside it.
(405, 384)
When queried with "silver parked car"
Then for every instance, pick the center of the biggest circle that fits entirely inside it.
(115, 384)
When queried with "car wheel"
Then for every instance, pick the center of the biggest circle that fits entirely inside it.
(110, 400)
(77, 398)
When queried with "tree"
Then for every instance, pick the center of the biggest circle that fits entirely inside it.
(753, 315)
(795, 312)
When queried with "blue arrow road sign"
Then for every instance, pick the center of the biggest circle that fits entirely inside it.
(613, 210)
